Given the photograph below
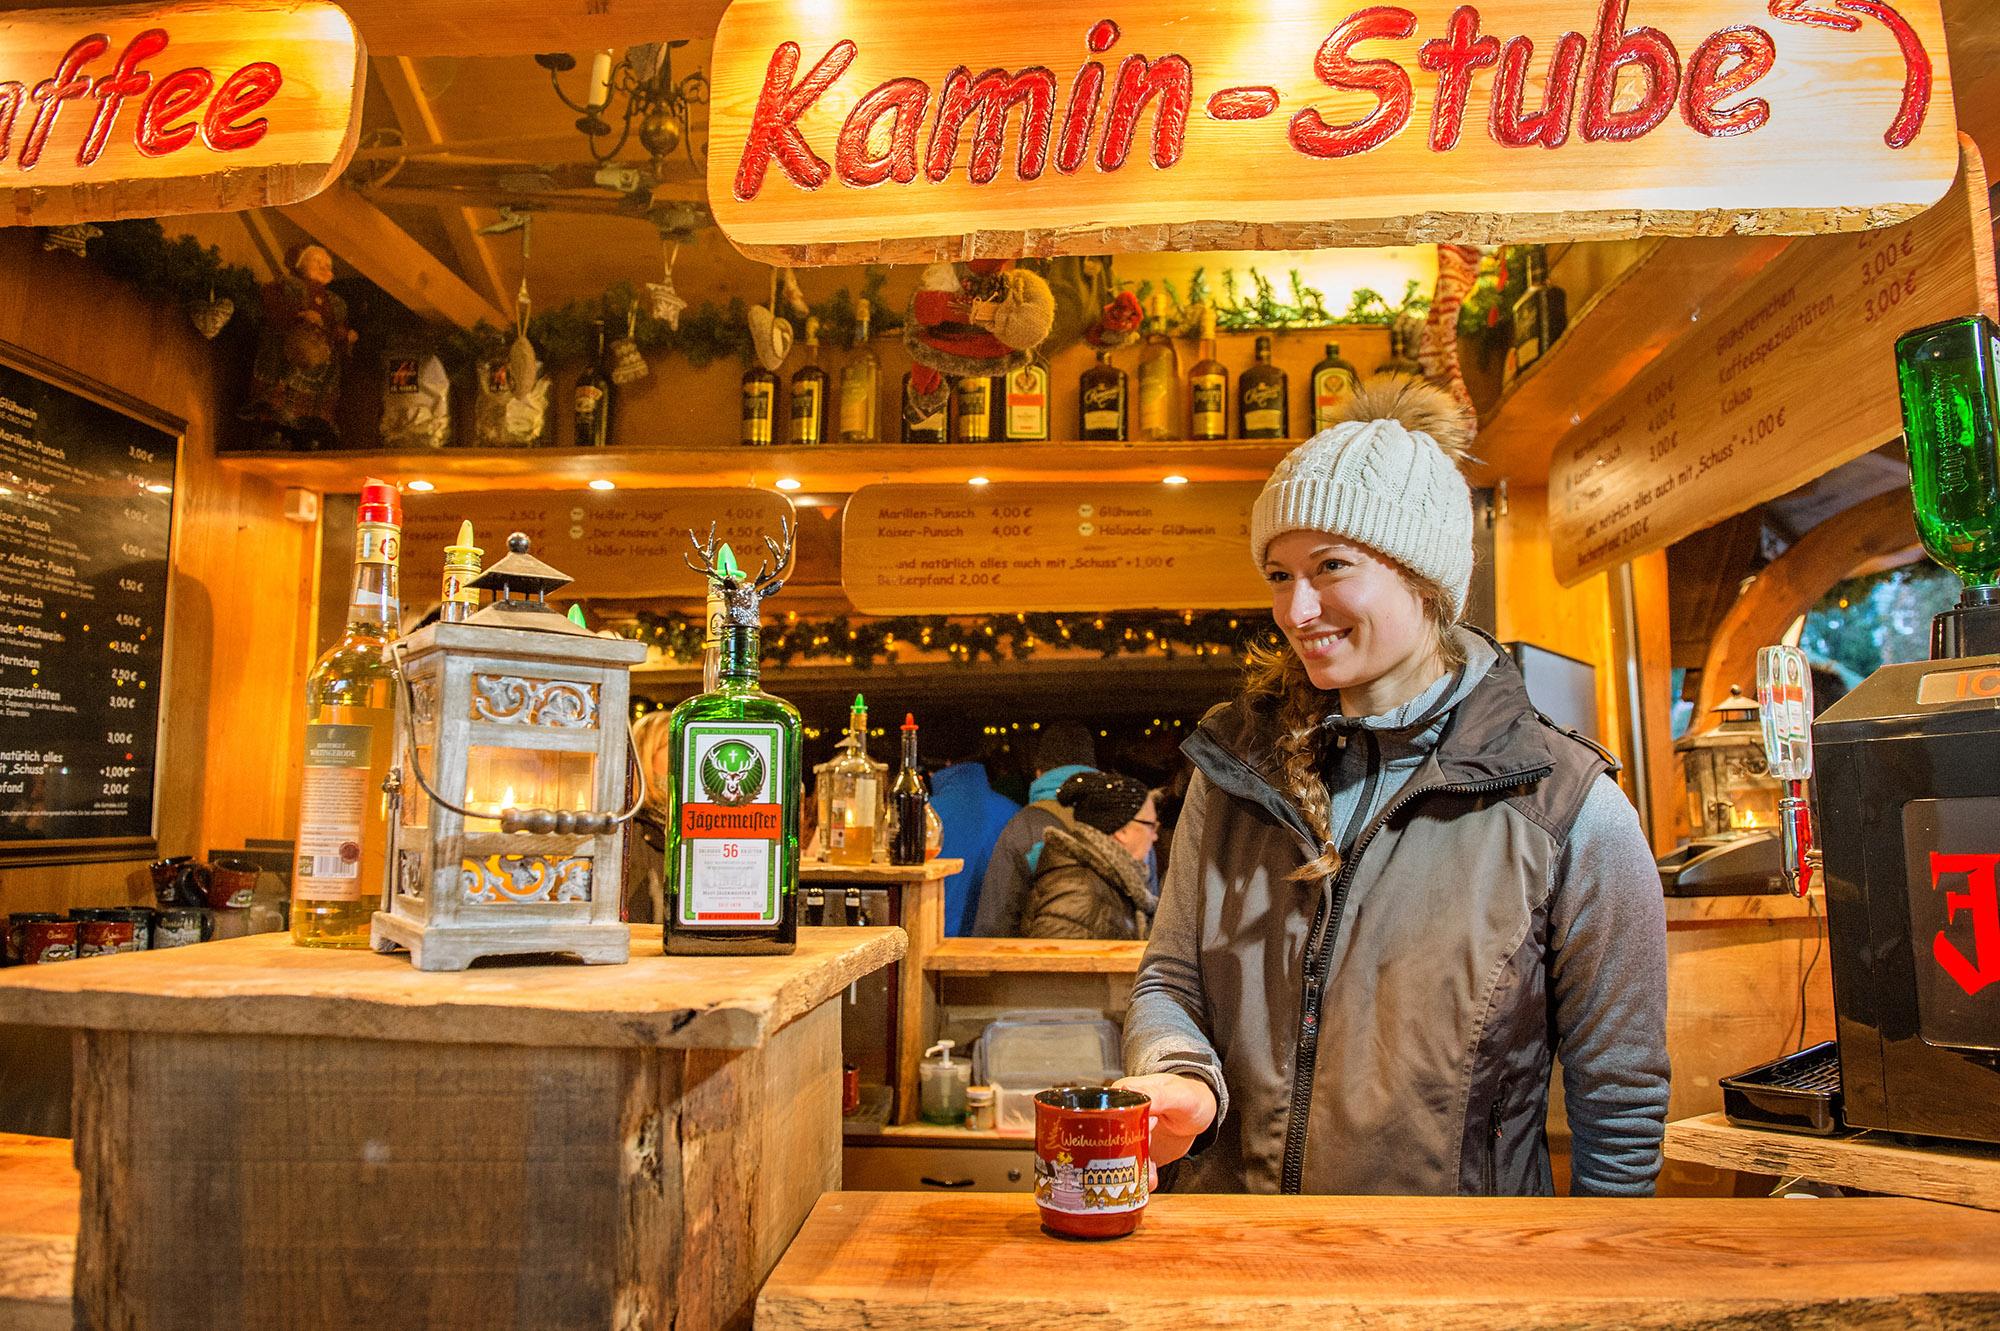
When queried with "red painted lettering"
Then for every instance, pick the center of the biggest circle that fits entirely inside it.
(774, 125)
(172, 97)
(1171, 79)
(1724, 65)
(1646, 50)
(1982, 900)
(12, 94)
(1252, 103)
(1086, 92)
(992, 95)
(1511, 125)
(1337, 69)
(122, 82)
(1909, 119)
(1453, 57)
(51, 93)
(249, 89)
(854, 156)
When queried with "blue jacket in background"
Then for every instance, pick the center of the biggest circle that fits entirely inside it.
(973, 814)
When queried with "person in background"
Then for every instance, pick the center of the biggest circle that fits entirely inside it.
(1090, 881)
(972, 812)
(1062, 750)
(1398, 894)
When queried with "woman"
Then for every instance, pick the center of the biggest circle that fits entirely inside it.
(1396, 891)
(1090, 881)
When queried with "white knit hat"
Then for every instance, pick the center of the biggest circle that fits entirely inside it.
(1386, 477)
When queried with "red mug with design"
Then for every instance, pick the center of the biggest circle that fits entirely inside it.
(1090, 1160)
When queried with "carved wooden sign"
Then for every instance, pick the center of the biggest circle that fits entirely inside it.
(150, 110)
(1795, 376)
(613, 544)
(956, 549)
(852, 130)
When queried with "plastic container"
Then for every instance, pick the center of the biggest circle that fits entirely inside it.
(979, 1108)
(1025, 1052)
(1797, 1093)
(941, 1086)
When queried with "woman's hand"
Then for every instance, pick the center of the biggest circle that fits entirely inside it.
(1182, 1109)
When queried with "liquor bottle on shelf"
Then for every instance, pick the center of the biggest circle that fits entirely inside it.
(854, 796)
(760, 407)
(1101, 400)
(593, 400)
(809, 393)
(860, 387)
(1264, 398)
(1024, 415)
(1540, 315)
(338, 879)
(911, 804)
(1208, 387)
(1402, 357)
(972, 410)
(732, 856)
(459, 600)
(920, 426)
(1159, 378)
(1333, 382)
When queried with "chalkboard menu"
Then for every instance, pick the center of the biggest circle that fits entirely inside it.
(86, 507)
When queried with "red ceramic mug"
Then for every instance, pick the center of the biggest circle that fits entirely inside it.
(1091, 1152)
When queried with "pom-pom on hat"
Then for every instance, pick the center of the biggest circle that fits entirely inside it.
(1103, 800)
(1386, 477)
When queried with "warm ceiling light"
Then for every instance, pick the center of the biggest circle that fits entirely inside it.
(978, 480)
(1173, 480)
(787, 484)
(602, 484)
(421, 487)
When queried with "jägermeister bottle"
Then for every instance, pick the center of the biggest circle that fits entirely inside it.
(732, 869)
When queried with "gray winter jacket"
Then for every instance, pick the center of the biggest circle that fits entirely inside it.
(1391, 1029)
(1086, 886)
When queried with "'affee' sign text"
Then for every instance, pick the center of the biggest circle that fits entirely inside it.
(143, 111)
(844, 130)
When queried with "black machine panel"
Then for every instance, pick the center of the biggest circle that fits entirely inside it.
(1909, 804)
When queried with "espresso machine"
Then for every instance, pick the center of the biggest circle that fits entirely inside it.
(1907, 795)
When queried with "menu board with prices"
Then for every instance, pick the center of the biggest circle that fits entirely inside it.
(86, 507)
(956, 549)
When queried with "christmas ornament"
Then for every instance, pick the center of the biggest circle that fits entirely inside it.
(627, 365)
(211, 315)
(770, 335)
(667, 303)
(74, 238)
(1437, 351)
(1118, 324)
(973, 320)
(416, 402)
(795, 299)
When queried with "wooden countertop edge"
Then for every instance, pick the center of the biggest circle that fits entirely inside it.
(734, 1023)
(1959, 1173)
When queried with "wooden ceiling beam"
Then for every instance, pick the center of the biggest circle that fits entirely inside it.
(363, 235)
(412, 107)
(524, 27)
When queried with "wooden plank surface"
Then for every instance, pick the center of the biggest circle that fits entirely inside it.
(904, 1260)
(1963, 1173)
(986, 956)
(1688, 911)
(264, 985)
(877, 875)
(38, 1214)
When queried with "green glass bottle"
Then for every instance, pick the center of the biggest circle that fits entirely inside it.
(1949, 376)
(732, 870)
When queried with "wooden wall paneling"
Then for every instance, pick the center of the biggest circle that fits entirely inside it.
(1654, 650)
(1531, 606)
(236, 653)
(402, 82)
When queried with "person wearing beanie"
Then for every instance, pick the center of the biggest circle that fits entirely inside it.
(1062, 750)
(1397, 893)
(1090, 880)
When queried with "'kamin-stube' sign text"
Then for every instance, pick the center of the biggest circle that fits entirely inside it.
(886, 130)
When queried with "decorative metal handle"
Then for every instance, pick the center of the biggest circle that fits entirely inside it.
(539, 822)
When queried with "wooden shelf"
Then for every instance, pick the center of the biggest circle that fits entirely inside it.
(1616, 333)
(1050, 956)
(876, 875)
(829, 469)
(931, 1134)
(1737, 910)
(1961, 1173)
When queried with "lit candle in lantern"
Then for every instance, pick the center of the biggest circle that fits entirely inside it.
(600, 81)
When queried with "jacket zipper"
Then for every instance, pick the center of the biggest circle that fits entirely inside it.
(1319, 958)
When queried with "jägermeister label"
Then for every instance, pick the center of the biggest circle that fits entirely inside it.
(732, 824)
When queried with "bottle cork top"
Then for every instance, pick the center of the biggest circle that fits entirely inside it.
(380, 503)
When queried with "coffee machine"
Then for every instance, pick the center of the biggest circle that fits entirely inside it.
(1908, 788)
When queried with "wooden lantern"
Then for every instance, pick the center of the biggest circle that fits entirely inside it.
(511, 756)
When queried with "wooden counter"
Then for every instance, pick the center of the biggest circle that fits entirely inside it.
(890, 1261)
(1963, 1173)
(275, 1136)
(37, 1233)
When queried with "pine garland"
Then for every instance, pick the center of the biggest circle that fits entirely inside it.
(865, 643)
(180, 268)
(1263, 310)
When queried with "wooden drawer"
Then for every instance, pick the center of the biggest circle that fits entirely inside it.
(936, 1169)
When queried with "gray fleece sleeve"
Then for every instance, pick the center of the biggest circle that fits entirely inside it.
(1608, 981)
(1166, 1027)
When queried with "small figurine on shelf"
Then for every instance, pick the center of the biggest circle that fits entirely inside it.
(295, 382)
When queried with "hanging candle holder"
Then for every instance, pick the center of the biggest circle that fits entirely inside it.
(667, 303)
(628, 365)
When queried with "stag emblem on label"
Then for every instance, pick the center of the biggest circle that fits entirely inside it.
(732, 773)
